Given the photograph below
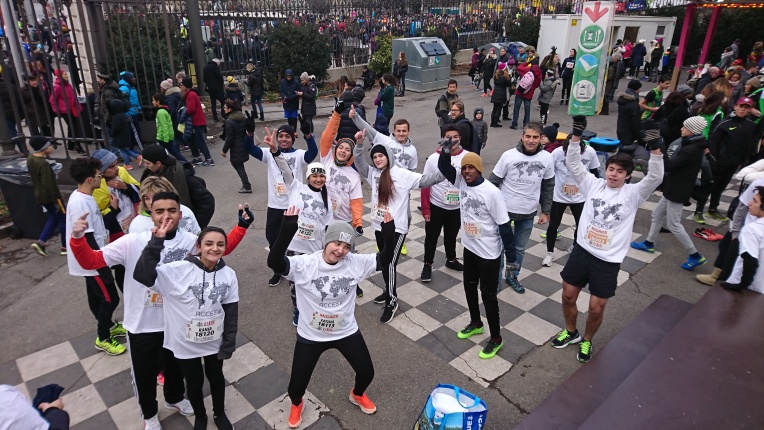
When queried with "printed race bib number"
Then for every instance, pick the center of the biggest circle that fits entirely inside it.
(204, 330)
(451, 197)
(126, 210)
(152, 300)
(570, 189)
(281, 188)
(599, 238)
(326, 322)
(335, 205)
(472, 230)
(306, 231)
(378, 213)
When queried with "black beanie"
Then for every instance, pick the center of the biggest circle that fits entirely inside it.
(39, 143)
(634, 85)
(154, 153)
(550, 132)
(286, 128)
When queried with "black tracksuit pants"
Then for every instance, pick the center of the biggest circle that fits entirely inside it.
(193, 373)
(147, 359)
(448, 221)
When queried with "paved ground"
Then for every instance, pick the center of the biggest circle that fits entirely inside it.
(49, 329)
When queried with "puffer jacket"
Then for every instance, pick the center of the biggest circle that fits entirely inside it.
(132, 95)
(63, 100)
(546, 90)
(682, 167)
(255, 83)
(288, 92)
(629, 124)
(638, 55)
(308, 99)
(173, 102)
(347, 127)
(234, 138)
(499, 94)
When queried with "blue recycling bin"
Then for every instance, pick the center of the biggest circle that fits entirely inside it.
(605, 148)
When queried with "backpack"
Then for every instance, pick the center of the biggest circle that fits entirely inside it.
(526, 82)
(475, 144)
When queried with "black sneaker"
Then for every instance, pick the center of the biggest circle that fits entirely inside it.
(565, 338)
(245, 190)
(200, 423)
(380, 299)
(455, 265)
(426, 273)
(212, 163)
(358, 292)
(197, 160)
(222, 422)
(275, 280)
(295, 316)
(585, 351)
(388, 313)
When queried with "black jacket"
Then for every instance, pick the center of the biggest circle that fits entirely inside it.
(443, 107)
(347, 127)
(732, 141)
(308, 98)
(202, 201)
(489, 66)
(213, 79)
(121, 131)
(234, 138)
(682, 166)
(499, 94)
(629, 122)
(670, 118)
(173, 171)
(36, 106)
(255, 83)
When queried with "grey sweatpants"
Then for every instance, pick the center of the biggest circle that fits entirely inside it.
(671, 213)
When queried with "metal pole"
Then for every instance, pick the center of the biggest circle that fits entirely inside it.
(167, 39)
(13, 38)
(197, 43)
(689, 17)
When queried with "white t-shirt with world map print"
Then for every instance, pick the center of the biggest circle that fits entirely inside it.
(483, 211)
(278, 189)
(565, 187)
(405, 155)
(522, 175)
(193, 308)
(187, 222)
(326, 293)
(343, 185)
(143, 307)
(312, 220)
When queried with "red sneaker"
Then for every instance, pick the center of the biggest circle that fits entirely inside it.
(712, 233)
(295, 415)
(701, 233)
(363, 402)
(139, 160)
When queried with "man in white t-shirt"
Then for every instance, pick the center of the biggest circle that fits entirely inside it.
(440, 208)
(485, 232)
(525, 176)
(278, 192)
(102, 293)
(747, 270)
(604, 233)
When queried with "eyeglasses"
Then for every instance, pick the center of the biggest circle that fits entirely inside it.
(98, 177)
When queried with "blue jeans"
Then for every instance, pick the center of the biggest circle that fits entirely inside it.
(55, 218)
(259, 101)
(173, 149)
(126, 153)
(516, 112)
(200, 132)
(522, 232)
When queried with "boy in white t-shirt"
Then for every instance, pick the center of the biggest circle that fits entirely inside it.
(747, 271)
(101, 288)
(604, 234)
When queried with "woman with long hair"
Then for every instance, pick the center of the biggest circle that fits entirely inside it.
(386, 97)
(400, 68)
(390, 187)
(499, 95)
(64, 103)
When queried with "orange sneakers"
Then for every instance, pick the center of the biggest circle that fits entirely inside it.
(363, 402)
(295, 415)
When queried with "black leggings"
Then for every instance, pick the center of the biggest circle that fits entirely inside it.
(239, 167)
(496, 112)
(487, 85)
(306, 355)
(273, 220)
(448, 221)
(102, 300)
(147, 359)
(389, 272)
(555, 218)
(566, 85)
(544, 112)
(194, 376)
(478, 270)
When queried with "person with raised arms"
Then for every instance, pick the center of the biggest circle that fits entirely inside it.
(604, 233)
(144, 315)
(325, 282)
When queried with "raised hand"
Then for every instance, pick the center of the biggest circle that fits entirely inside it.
(351, 114)
(80, 225)
(359, 231)
(579, 125)
(360, 136)
(292, 211)
(270, 139)
(246, 217)
(164, 227)
(446, 145)
(249, 123)
(339, 106)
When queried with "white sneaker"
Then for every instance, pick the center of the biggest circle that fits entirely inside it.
(152, 423)
(548, 259)
(183, 406)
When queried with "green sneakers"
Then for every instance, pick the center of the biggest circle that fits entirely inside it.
(491, 348)
(565, 338)
(698, 217)
(543, 235)
(585, 351)
(117, 330)
(110, 346)
(717, 216)
(469, 331)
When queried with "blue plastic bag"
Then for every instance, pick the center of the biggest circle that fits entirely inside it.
(473, 418)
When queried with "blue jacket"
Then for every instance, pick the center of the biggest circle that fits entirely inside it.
(132, 95)
(288, 92)
(638, 55)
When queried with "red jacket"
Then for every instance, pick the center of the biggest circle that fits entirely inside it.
(194, 109)
(62, 100)
(522, 69)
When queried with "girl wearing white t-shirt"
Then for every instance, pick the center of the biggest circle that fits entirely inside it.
(143, 222)
(201, 296)
(326, 281)
(390, 187)
(566, 193)
(748, 272)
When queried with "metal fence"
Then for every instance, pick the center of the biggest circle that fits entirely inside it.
(154, 40)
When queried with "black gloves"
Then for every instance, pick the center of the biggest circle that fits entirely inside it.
(304, 125)
(249, 123)
(359, 231)
(339, 106)
(245, 222)
(446, 145)
(579, 125)
(651, 134)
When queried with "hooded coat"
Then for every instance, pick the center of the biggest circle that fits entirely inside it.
(288, 92)
(682, 166)
(234, 138)
(308, 98)
(213, 79)
(173, 172)
(638, 55)
(629, 122)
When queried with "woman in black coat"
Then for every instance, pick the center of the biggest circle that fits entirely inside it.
(489, 66)
(235, 130)
(400, 68)
(307, 94)
(499, 96)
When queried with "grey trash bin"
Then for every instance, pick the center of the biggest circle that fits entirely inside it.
(16, 185)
